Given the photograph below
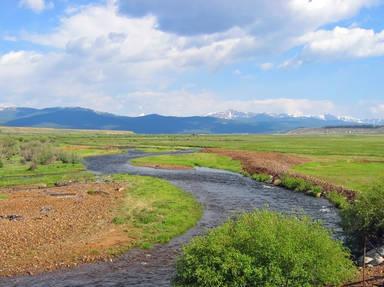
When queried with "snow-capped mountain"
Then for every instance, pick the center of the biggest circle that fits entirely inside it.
(231, 115)
(236, 115)
(229, 122)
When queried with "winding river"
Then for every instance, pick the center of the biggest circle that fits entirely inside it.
(223, 194)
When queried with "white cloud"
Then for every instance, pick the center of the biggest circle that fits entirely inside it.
(36, 5)
(344, 42)
(378, 110)
(207, 17)
(122, 64)
(101, 33)
(267, 66)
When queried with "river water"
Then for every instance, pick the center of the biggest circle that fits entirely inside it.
(222, 194)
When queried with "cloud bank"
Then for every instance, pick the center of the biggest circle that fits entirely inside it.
(125, 56)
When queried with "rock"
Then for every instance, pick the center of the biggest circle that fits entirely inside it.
(380, 250)
(377, 260)
(46, 209)
(12, 217)
(366, 259)
(121, 189)
(42, 186)
(376, 256)
(277, 182)
(61, 183)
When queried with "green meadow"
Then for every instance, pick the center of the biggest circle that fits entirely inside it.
(192, 160)
(353, 161)
(155, 211)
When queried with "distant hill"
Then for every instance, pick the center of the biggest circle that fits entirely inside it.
(80, 118)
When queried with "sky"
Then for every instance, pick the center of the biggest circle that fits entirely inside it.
(179, 57)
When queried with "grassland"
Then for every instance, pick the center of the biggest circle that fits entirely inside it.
(155, 211)
(353, 161)
(356, 174)
(192, 160)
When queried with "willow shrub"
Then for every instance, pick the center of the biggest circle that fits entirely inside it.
(365, 218)
(265, 248)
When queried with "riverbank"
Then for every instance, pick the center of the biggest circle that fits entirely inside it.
(45, 229)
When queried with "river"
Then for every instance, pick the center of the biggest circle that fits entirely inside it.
(222, 194)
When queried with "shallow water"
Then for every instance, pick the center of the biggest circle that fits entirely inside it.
(223, 194)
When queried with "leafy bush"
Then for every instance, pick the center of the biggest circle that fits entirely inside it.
(338, 200)
(296, 184)
(45, 155)
(1, 164)
(8, 148)
(365, 218)
(265, 249)
(68, 157)
(261, 177)
(29, 150)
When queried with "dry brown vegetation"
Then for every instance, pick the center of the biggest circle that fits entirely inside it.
(278, 165)
(51, 228)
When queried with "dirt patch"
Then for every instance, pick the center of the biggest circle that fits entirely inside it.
(277, 165)
(51, 228)
(374, 276)
(272, 163)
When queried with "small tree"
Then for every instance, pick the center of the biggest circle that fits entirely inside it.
(265, 249)
(364, 219)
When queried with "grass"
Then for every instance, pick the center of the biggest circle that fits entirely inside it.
(155, 210)
(353, 161)
(15, 173)
(3, 196)
(192, 160)
(355, 174)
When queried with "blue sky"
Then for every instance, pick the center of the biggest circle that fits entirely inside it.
(177, 57)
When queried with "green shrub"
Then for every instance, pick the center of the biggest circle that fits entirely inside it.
(44, 155)
(296, 184)
(9, 147)
(261, 177)
(37, 152)
(265, 249)
(68, 157)
(365, 218)
(338, 200)
(1, 164)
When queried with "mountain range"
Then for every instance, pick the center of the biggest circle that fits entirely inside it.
(225, 122)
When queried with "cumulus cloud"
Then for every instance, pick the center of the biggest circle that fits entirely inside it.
(266, 66)
(378, 110)
(125, 58)
(99, 32)
(206, 17)
(36, 5)
(344, 42)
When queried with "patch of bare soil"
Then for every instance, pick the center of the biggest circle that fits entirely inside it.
(51, 228)
(277, 165)
(374, 277)
(272, 163)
